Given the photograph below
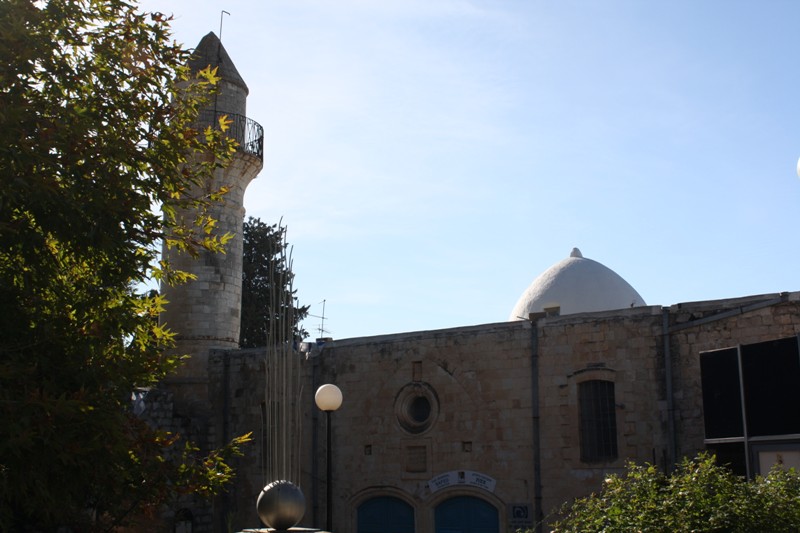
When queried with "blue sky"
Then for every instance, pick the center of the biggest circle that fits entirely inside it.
(431, 157)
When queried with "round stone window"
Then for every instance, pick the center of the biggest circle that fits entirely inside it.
(416, 407)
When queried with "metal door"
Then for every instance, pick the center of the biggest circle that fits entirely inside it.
(385, 514)
(466, 514)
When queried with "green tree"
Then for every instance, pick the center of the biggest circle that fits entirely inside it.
(270, 313)
(97, 152)
(698, 496)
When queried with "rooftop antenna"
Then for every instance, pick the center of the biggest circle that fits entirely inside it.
(321, 329)
(322, 323)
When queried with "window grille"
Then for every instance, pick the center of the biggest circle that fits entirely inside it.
(598, 419)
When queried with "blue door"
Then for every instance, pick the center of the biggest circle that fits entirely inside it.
(385, 514)
(466, 514)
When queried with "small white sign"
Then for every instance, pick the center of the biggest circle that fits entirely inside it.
(462, 477)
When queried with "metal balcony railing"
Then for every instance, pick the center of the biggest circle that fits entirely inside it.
(247, 132)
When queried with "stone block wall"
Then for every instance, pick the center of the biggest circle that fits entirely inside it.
(478, 382)
(157, 408)
(622, 347)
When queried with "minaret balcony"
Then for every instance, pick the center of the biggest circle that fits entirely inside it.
(247, 132)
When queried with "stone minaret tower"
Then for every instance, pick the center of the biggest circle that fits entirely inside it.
(205, 313)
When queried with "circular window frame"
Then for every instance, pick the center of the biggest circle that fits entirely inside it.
(404, 407)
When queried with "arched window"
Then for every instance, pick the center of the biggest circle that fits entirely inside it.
(598, 421)
(385, 514)
(466, 514)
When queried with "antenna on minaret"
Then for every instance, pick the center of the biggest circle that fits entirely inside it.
(223, 12)
(219, 60)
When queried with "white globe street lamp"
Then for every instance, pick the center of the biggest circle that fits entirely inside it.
(329, 398)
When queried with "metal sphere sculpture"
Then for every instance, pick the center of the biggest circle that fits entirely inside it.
(281, 505)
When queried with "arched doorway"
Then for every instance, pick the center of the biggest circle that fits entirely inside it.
(385, 514)
(466, 514)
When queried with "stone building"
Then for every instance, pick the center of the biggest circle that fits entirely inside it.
(491, 427)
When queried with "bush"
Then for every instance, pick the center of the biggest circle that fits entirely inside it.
(698, 496)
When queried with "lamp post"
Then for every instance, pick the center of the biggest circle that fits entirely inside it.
(328, 398)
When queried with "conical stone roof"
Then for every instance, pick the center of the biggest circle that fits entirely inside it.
(211, 52)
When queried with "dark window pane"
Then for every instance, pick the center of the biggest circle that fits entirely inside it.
(420, 409)
(731, 455)
(598, 419)
(772, 387)
(722, 404)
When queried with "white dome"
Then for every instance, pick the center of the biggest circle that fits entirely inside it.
(576, 285)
